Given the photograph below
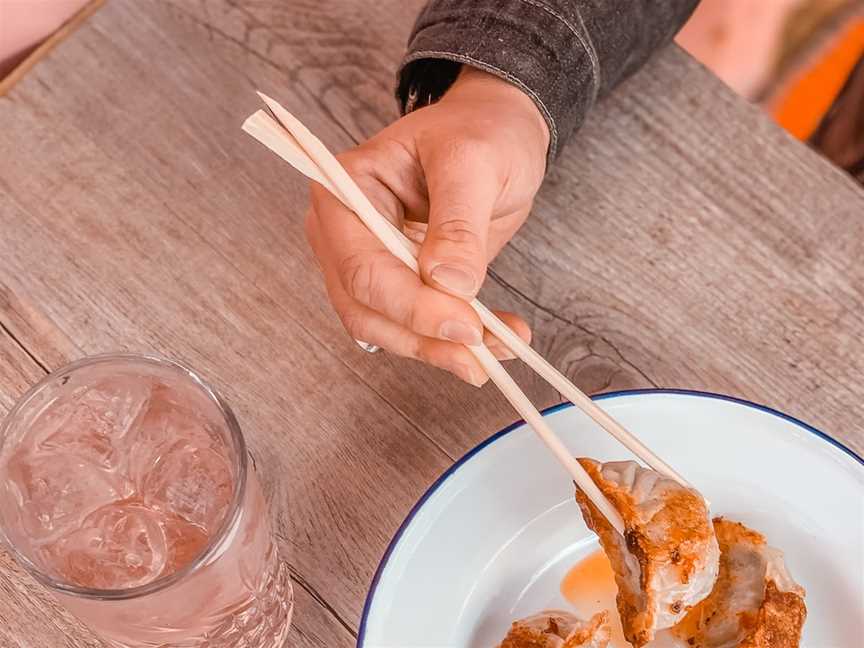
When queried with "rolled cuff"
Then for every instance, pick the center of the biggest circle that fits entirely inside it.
(521, 41)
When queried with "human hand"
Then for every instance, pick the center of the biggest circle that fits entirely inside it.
(458, 177)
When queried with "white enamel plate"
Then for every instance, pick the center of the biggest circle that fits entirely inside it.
(493, 538)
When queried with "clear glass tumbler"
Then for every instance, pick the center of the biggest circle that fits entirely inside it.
(126, 489)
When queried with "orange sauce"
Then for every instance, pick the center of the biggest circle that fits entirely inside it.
(590, 587)
(590, 578)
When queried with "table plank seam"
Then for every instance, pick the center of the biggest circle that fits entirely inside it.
(300, 580)
(32, 356)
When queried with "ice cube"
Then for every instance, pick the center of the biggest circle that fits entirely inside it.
(121, 545)
(55, 491)
(192, 482)
(185, 542)
(149, 439)
(94, 424)
(167, 424)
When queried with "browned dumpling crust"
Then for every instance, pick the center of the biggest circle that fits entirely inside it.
(755, 603)
(667, 560)
(558, 629)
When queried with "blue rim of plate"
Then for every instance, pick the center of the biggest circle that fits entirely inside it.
(367, 606)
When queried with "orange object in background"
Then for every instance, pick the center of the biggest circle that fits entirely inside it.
(802, 61)
(801, 105)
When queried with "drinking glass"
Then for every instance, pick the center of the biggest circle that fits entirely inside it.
(127, 490)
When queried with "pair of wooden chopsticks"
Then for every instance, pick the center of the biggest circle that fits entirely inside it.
(286, 136)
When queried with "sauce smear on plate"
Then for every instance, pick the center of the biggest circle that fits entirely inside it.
(590, 587)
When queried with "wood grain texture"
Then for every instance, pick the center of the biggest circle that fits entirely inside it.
(29, 616)
(727, 226)
(123, 270)
(682, 240)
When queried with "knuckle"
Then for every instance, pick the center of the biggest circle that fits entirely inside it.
(458, 229)
(361, 276)
(356, 161)
(424, 352)
(414, 318)
(355, 273)
(353, 320)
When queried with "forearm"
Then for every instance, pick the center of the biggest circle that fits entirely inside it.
(565, 54)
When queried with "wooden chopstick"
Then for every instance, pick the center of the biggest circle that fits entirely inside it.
(572, 393)
(321, 164)
(328, 169)
(285, 135)
(293, 152)
(507, 336)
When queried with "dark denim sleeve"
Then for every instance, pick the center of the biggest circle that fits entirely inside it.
(565, 54)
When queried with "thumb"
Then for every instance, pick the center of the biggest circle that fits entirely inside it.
(462, 189)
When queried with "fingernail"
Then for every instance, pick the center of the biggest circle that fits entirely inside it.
(470, 375)
(460, 332)
(455, 279)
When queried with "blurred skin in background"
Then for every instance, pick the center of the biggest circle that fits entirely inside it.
(737, 39)
(747, 43)
(26, 23)
(801, 60)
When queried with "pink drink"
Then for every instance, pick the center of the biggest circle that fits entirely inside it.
(124, 488)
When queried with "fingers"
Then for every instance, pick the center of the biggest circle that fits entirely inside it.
(463, 186)
(376, 279)
(415, 231)
(519, 326)
(363, 323)
(383, 302)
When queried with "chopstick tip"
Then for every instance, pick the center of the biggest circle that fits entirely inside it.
(272, 105)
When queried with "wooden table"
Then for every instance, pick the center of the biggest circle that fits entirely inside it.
(682, 241)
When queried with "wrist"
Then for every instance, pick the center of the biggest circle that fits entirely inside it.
(488, 85)
(472, 82)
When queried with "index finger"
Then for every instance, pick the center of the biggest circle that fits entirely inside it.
(377, 279)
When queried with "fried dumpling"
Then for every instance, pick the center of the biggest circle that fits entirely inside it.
(558, 629)
(667, 560)
(755, 603)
